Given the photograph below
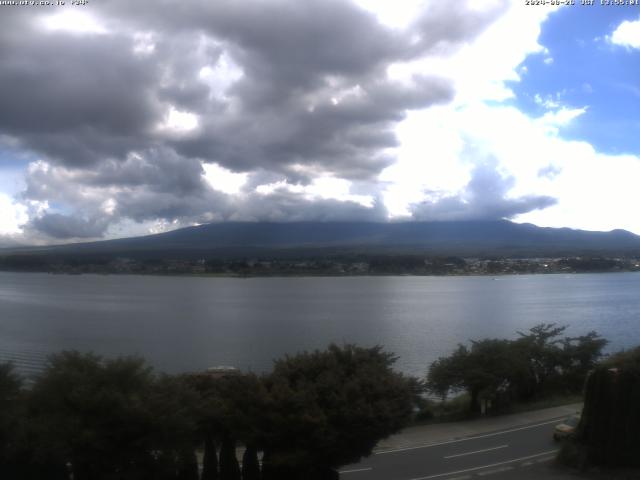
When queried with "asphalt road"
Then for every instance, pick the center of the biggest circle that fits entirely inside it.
(480, 456)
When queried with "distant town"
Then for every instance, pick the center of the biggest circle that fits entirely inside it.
(330, 266)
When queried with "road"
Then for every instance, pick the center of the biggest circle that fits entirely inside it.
(479, 456)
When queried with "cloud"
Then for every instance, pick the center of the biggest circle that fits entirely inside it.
(116, 89)
(161, 188)
(139, 111)
(627, 34)
(12, 215)
(76, 102)
(485, 197)
(59, 226)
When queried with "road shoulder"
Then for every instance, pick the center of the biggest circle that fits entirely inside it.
(442, 432)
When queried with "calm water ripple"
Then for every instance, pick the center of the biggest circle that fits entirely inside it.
(187, 323)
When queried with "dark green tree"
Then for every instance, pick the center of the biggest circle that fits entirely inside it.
(229, 466)
(539, 362)
(330, 408)
(541, 349)
(210, 458)
(94, 415)
(250, 464)
(11, 419)
(188, 465)
(232, 410)
(610, 424)
(174, 436)
(580, 355)
(483, 371)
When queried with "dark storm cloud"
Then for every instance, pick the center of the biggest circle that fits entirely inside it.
(310, 95)
(75, 100)
(61, 227)
(443, 27)
(484, 198)
(82, 98)
(156, 181)
(286, 206)
(159, 184)
(7, 241)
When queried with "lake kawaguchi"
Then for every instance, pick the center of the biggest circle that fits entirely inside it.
(190, 323)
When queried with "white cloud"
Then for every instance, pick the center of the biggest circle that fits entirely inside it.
(143, 43)
(179, 122)
(222, 179)
(594, 191)
(220, 76)
(73, 21)
(549, 102)
(560, 118)
(398, 14)
(12, 215)
(441, 145)
(627, 34)
(325, 188)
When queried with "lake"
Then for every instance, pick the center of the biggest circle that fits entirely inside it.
(189, 323)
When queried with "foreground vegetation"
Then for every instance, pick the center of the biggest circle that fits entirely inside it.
(115, 419)
(608, 434)
(90, 418)
(497, 373)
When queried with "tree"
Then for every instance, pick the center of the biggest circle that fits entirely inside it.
(229, 467)
(231, 409)
(250, 464)
(482, 371)
(537, 363)
(541, 350)
(330, 408)
(209, 459)
(610, 423)
(11, 416)
(581, 355)
(174, 405)
(94, 414)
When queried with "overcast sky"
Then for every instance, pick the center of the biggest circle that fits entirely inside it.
(122, 118)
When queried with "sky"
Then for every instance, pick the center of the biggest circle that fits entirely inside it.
(122, 118)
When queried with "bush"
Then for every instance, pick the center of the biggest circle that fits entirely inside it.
(572, 454)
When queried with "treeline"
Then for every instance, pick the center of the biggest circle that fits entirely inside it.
(497, 372)
(90, 418)
(86, 417)
(307, 264)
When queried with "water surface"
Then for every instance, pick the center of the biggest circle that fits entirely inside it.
(188, 323)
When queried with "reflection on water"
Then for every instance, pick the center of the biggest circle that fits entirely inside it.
(186, 323)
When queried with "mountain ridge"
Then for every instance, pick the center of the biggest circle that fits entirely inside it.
(477, 237)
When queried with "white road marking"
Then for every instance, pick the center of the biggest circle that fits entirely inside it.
(356, 470)
(494, 471)
(485, 466)
(541, 460)
(477, 451)
(428, 445)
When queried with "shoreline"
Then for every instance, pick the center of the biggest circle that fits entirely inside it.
(316, 275)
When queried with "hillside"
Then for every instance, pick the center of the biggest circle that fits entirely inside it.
(470, 238)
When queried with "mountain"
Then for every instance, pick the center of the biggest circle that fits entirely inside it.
(470, 238)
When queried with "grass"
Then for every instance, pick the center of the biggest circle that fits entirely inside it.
(547, 402)
(457, 408)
